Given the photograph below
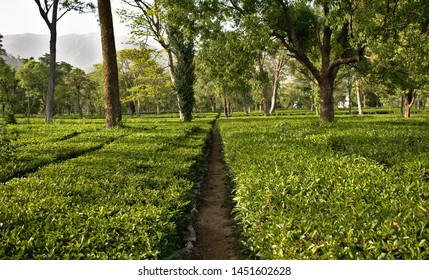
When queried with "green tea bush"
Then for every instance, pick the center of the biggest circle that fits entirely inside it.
(7, 148)
(356, 189)
(130, 199)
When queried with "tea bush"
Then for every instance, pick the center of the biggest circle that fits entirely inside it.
(129, 199)
(355, 189)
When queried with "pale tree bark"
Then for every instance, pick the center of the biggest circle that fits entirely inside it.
(112, 106)
(359, 97)
(264, 81)
(280, 63)
(410, 98)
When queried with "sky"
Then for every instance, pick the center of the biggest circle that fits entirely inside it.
(22, 16)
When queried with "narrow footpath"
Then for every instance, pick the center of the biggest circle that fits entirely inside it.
(213, 222)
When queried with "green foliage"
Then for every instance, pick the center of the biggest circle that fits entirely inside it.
(8, 84)
(33, 78)
(9, 119)
(2, 50)
(356, 189)
(7, 147)
(129, 199)
(184, 72)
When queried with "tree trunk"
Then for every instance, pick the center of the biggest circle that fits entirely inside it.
(225, 106)
(409, 98)
(28, 108)
(171, 70)
(359, 97)
(49, 105)
(264, 80)
(276, 84)
(129, 108)
(158, 108)
(139, 107)
(327, 100)
(274, 96)
(112, 106)
(349, 97)
(79, 105)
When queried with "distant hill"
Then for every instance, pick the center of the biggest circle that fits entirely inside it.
(12, 61)
(82, 51)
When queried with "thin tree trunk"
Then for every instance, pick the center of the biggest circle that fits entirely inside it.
(171, 70)
(158, 107)
(410, 98)
(52, 25)
(112, 104)
(349, 93)
(264, 80)
(28, 108)
(79, 105)
(276, 84)
(139, 107)
(358, 96)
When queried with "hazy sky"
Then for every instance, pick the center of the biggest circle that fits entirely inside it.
(22, 16)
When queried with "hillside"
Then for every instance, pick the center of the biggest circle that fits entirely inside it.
(82, 51)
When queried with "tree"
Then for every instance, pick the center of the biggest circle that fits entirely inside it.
(76, 81)
(399, 55)
(51, 12)
(2, 51)
(276, 71)
(308, 27)
(8, 86)
(143, 78)
(97, 94)
(184, 75)
(33, 77)
(154, 19)
(226, 62)
(112, 104)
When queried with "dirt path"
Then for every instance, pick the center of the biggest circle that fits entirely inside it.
(213, 223)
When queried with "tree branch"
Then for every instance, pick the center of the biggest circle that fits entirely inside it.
(44, 12)
(346, 60)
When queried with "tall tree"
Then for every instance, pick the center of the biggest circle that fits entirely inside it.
(398, 55)
(112, 104)
(75, 80)
(153, 19)
(276, 71)
(8, 85)
(227, 63)
(184, 75)
(33, 77)
(308, 27)
(51, 12)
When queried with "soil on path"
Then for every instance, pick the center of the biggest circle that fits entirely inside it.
(213, 222)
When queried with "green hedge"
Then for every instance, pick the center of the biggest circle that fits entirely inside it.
(356, 189)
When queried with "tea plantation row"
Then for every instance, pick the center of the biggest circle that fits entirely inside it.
(119, 194)
(356, 189)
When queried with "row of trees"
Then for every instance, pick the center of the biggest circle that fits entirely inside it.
(235, 52)
(143, 86)
(243, 46)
